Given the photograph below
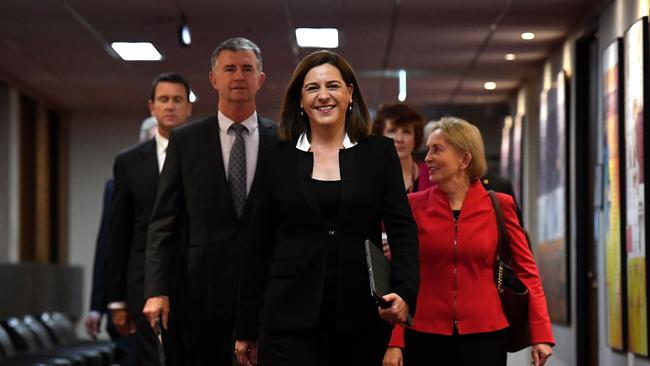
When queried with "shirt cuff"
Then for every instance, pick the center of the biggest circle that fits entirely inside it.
(116, 305)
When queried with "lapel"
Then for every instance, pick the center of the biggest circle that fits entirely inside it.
(348, 177)
(267, 136)
(150, 171)
(305, 167)
(217, 171)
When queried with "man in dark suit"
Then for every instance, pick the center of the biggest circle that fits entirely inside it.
(125, 344)
(136, 173)
(202, 197)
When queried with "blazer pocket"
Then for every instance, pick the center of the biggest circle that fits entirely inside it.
(284, 269)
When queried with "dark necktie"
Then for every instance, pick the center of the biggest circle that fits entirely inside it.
(237, 169)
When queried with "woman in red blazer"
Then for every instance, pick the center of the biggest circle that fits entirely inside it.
(459, 318)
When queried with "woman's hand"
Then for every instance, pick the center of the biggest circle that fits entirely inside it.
(398, 310)
(393, 357)
(540, 353)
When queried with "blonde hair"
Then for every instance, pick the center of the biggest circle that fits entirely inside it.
(465, 138)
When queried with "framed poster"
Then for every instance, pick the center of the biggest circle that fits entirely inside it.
(552, 199)
(505, 166)
(636, 59)
(612, 208)
(517, 152)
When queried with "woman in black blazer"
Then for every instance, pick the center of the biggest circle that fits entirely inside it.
(323, 191)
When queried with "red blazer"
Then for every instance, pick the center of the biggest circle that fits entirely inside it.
(475, 304)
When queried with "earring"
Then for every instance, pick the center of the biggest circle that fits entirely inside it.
(350, 106)
(301, 111)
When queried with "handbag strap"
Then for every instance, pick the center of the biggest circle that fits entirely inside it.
(503, 251)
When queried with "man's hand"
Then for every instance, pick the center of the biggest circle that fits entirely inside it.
(156, 307)
(398, 310)
(246, 352)
(123, 322)
(93, 322)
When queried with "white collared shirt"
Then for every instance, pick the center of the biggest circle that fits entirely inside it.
(251, 141)
(303, 143)
(161, 149)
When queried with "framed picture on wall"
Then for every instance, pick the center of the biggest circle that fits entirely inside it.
(613, 206)
(517, 153)
(552, 199)
(635, 90)
(505, 165)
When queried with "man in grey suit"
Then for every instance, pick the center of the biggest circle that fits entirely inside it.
(136, 172)
(202, 209)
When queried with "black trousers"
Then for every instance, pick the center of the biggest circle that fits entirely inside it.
(146, 346)
(461, 350)
(146, 343)
(325, 347)
(126, 345)
(207, 343)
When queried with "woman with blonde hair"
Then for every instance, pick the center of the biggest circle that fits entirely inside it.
(459, 318)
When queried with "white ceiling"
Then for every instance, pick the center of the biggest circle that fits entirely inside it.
(55, 50)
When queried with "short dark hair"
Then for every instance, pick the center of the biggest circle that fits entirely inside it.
(292, 124)
(237, 44)
(169, 77)
(401, 115)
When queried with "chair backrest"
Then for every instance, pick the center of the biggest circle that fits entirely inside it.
(39, 331)
(23, 339)
(5, 343)
(65, 322)
(59, 334)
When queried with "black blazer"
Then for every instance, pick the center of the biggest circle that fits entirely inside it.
(194, 199)
(285, 258)
(136, 179)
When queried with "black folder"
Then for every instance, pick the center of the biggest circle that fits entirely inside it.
(378, 271)
(379, 275)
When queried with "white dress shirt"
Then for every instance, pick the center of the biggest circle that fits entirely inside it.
(161, 149)
(251, 141)
(303, 143)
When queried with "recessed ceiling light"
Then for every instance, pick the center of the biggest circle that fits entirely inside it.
(136, 51)
(527, 35)
(317, 37)
(193, 97)
(184, 35)
(490, 85)
(510, 56)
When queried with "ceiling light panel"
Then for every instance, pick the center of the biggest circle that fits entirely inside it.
(317, 37)
(136, 51)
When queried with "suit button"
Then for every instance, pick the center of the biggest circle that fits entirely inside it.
(331, 232)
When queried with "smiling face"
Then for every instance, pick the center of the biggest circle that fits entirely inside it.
(236, 77)
(404, 137)
(170, 106)
(324, 96)
(445, 163)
